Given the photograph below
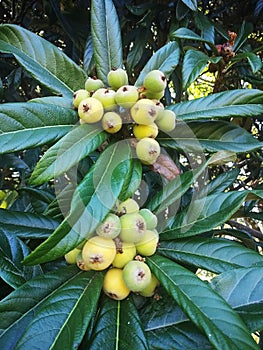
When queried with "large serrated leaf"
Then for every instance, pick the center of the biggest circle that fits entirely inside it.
(165, 59)
(43, 60)
(20, 306)
(204, 214)
(68, 151)
(243, 290)
(63, 308)
(118, 325)
(12, 252)
(212, 135)
(167, 326)
(106, 37)
(206, 309)
(183, 336)
(26, 125)
(27, 225)
(236, 103)
(92, 200)
(216, 255)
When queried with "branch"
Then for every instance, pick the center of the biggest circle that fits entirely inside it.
(250, 230)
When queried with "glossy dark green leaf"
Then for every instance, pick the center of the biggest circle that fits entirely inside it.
(94, 197)
(184, 336)
(68, 151)
(243, 34)
(106, 37)
(167, 326)
(132, 181)
(243, 290)
(60, 206)
(27, 225)
(206, 26)
(204, 214)
(185, 33)
(254, 61)
(27, 125)
(174, 190)
(18, 309)
(43, 60)
(165, 59)
(118, 325)
(12, 252)
(221, 182)
(205, 308)
(212, 254)
(60, 305)
(137, 51)
(193, 65)
(235, 103)
(213, 135)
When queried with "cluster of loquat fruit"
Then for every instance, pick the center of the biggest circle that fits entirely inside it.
(120, 244)
(119, 104)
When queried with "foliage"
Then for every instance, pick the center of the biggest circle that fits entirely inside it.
(56, 172)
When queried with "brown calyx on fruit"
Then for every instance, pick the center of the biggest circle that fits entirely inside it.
(94, 259)
(86, 108)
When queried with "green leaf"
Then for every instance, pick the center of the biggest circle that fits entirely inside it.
(92, 200)
(192, 4)
(174, 190)
(205, 308)
(27, 225)
(212, 254)
(165, 59)
(167, 326)
(235, 103)
(68, 151)
(193, 65)
(185, 33)
(253, 60)
(245, 30)
(43, 60)
(133, 181)
(206, 26)
(54, 308)
(212, 136)
(204, 214)
(61, 204)
(243, 290)
(118, 325)
(26, 125)
(65, 102)
(18, 309)
(222, 157)
(106, 37)
(137, 51)
(12, 252)
(221, 182)
(183, 336)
